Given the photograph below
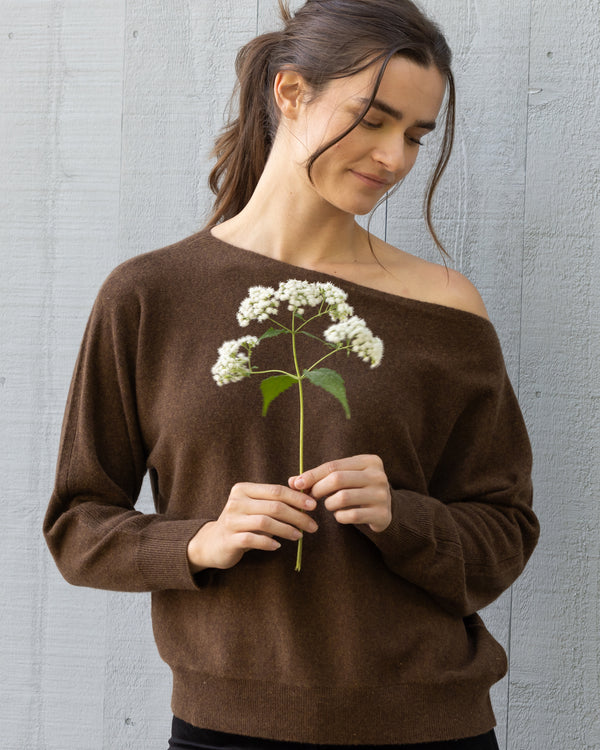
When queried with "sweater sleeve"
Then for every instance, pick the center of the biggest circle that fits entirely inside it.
(96, 536)
(467, 541)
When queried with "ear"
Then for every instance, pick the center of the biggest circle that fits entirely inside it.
(289, 90)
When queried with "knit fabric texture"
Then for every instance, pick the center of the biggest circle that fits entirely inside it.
(377, 640)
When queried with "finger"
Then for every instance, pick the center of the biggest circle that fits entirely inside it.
(276, 493)
(274, 518)
(309, 478)
(350, 498)
(341, 480)
(355, 516)
(374, 517)
(247, 540)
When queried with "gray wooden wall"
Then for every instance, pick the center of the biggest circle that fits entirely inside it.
(107, 113)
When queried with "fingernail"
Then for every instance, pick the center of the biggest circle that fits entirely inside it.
(299, 483)
(313, 527)
(310, 504)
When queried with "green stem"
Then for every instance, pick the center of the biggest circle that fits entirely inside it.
(329, 354)
(301, 436)
(277, 323)
(314, 317)
(267, 372)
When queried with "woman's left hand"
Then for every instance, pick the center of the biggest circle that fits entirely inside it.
(356, 489)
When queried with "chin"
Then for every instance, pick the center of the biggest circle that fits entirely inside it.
(362, 210)
(355, 208)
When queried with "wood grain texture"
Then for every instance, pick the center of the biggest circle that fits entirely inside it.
(60, 107)
(554, 694)
(108, 112)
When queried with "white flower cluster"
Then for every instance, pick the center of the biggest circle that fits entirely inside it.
(299, 295)
(263, 301)
(335, 299)
(232, 364)
(355, 333)
(258, 305)
(348, 331)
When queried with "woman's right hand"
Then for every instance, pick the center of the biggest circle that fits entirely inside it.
(252, 516)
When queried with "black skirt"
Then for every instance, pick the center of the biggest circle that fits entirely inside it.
(187, 737)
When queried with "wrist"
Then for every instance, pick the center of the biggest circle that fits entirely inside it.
(196, 550)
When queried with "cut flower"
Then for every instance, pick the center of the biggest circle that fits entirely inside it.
(348, 333)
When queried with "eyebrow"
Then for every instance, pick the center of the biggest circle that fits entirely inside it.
(395, 113)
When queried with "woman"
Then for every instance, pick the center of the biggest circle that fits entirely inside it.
(415, 513)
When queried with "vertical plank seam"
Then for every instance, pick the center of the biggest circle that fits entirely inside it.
(108, 601)
(123, 75)
(57, 74)
(520, 348)
(385, 223)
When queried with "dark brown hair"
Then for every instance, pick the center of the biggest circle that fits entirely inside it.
(323, 40)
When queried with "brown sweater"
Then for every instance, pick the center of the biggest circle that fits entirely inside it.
(377, 640)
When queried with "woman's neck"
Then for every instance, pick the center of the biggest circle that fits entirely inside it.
(291, 223)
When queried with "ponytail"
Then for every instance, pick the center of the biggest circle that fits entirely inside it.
(243, 147)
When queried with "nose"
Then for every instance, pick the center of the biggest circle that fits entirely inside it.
(393, 156)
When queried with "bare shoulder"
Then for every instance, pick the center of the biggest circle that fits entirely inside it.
(430, 282)
(461, 293)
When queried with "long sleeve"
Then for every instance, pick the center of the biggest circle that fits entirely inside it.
(467, 541)
(96, 536)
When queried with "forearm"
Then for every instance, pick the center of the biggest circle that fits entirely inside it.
(464, 554)
(111, 547)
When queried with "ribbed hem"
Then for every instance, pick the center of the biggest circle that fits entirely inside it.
(333, 716)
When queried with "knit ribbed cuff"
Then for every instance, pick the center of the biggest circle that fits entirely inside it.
(162, 554)
(408, 529)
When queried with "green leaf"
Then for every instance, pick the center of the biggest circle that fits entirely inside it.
(273, 386)
(271, 333)
(330, 381)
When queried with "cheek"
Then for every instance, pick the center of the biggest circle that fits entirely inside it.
(343, 152)
(329, 162)
(411, 159)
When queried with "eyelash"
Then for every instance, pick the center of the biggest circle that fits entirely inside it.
(376, 125)
(373, 125)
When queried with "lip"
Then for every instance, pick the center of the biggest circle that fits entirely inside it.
(372, 180)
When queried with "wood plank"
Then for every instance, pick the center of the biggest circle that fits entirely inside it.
(60, 110)
(555, 694)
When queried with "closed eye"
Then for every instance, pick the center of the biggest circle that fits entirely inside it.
(372, 125)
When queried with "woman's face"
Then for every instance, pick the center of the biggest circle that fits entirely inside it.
(356, 172)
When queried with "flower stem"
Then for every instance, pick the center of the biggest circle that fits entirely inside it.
(268, 372)
(301, 436)
(314, 317)
(329, 354)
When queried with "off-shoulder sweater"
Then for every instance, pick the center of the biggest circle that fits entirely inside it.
(376, 640)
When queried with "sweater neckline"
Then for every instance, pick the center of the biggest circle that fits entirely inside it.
(297, 271)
